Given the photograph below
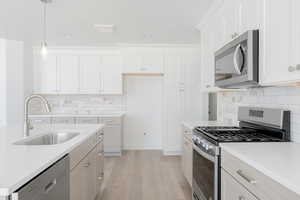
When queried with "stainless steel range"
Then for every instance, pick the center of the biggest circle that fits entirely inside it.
(255, 125)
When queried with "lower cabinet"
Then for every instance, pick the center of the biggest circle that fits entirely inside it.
(87, 176)
(231, 189)
(187, 155)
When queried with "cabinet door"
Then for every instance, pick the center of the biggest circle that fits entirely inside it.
(46, 74)
(231, 16)
(189, 160)
(231, 189)
(143, 61)
(99, 166)
(90, 75)
(249, 13)
(174, 98)
(68, 71)
(92, 174)
(151, 61)
(207, 50)
(275, 42)
(294, 67)
(111, 75)
(112, 139)
(79, 181)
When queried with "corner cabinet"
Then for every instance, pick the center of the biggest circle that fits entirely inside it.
(78, 72)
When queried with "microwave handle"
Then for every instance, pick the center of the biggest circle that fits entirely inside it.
(235, 62)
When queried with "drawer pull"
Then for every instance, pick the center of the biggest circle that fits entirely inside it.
(241, 198)
(100, 154)
(100, 178)
(245, 177)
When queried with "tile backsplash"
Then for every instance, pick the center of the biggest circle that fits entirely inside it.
(271, 97)
(79, 104)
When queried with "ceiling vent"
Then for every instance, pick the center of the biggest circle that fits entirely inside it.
(105, 28)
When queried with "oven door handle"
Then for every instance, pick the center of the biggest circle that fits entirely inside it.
(204, 154)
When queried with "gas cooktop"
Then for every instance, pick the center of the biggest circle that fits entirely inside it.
(235, 134)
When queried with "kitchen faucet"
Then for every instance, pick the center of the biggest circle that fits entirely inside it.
(27, 125)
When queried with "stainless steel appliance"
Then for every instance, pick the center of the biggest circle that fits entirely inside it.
(255, 125)
(236, 64)
(51, 184)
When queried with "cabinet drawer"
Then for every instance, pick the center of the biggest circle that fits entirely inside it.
(231, 189)
(87, 120)
(63, 120)
(256, 182)
(40, 121)
(111, 120)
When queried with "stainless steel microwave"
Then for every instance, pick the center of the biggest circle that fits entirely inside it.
(237, 63)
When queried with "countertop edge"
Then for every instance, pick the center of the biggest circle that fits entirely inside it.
(279, 179)
(6, 192)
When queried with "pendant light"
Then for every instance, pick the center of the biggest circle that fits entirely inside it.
(44, 49)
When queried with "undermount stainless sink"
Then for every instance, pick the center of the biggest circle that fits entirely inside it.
(49, 139)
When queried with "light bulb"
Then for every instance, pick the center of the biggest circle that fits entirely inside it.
(44, 49)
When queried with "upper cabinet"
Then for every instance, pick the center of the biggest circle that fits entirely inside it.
(68, 74)
(90, 74)
(79, 72)
(143, 60)
(111, 74)
(45, 74)
(281, 45)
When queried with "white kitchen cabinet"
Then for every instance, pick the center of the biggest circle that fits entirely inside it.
(111, 74)
(86, 173)
(90, 74)
(280, 43)
(142, 60)
(261, 186)
(174, 102)
(187, 156)
(46, 80)
(231, 189)
(112, 136)
(68, 74)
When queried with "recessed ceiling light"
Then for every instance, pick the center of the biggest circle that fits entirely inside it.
(105, 28)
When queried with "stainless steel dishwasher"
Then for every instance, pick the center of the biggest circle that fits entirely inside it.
(52, 184)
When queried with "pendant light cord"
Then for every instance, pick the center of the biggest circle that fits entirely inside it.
(45, 22)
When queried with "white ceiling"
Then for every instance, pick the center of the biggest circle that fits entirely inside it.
(71, 22)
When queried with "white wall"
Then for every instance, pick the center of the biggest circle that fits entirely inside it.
(274, 97)
(143, 121)
(12, 85)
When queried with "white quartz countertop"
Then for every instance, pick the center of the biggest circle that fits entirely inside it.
(104, 114)
(19, 164)
(193, 124)
(279, 161)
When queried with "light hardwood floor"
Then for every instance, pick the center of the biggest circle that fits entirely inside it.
(144, 175)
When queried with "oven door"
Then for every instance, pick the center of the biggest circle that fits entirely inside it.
(205, 175)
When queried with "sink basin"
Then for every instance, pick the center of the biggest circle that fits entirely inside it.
(49, 139)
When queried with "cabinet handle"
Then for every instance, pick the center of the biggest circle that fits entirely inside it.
(100, 178)
(241, 197)
(100, 154)
(87, 164)
(292, 68)
(245, 177)
(50, 186)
